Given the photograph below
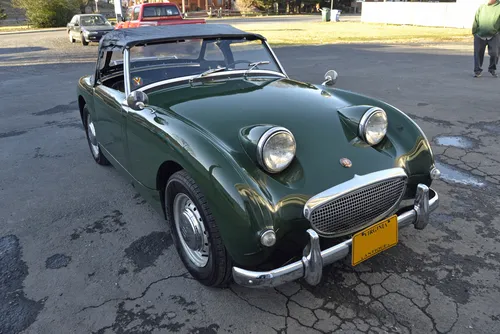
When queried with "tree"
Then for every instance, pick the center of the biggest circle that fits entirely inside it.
(83, 4)
(246, 5)
(53, 13)
(3, 16)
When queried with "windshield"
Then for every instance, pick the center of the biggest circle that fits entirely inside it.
(93, 20)
(159, 11)
(158, 62)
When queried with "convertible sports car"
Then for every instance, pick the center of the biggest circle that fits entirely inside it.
(261, 178)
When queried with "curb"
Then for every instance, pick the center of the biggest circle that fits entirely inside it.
(30, 31)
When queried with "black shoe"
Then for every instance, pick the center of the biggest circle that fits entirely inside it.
(477, 74)
(494, 73)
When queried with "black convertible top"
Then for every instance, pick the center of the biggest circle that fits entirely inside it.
(124, 38)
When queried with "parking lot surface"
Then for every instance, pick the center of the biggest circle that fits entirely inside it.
(81, 251)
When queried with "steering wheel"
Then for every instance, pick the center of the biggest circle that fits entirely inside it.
(239, 62)
(119, 85)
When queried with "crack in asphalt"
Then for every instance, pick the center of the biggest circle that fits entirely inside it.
(135, 298)
(474, 166)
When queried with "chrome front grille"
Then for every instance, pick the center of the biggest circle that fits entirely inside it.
(354, 207)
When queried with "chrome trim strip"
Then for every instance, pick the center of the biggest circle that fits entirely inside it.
(307, 266)
(126, 71)
(188, 77)
(275, 58)
(262, 142)
(357, 182)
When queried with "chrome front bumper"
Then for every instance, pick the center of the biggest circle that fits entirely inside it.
(313, 260)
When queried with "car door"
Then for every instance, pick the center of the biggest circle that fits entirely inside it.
(128, 17)
(77, 28)
(135, 18)
(71, 26)
(110, 118)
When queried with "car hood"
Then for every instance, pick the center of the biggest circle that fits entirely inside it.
(224, 108)
(98, 28)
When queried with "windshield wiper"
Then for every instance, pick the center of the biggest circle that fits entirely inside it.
(254, 65)
(210, 71)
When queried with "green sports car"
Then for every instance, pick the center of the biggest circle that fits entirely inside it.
(261, 178)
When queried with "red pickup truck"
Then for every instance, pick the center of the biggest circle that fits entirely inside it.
(154, 14)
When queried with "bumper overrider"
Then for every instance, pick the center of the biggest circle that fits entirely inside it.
(310, 267)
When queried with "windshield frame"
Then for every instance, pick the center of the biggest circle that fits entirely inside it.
(243, 72)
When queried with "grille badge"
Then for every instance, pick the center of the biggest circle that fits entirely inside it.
(346, 163)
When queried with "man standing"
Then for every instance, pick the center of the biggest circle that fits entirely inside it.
(486, 28)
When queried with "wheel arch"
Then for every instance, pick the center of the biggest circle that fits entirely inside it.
(231, 201)
(165, 171)
(81, 105)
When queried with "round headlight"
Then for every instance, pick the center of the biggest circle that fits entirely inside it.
(276, 149)
(373, 126)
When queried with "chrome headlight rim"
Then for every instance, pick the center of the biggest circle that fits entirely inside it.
(364, 121)
(266, 136)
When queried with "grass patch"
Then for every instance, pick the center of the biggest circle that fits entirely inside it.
(352, 32)
(15, 28)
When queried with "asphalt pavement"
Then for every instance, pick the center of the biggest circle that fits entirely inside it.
(81, 251)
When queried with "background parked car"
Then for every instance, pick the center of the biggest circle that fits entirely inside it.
(88, 28)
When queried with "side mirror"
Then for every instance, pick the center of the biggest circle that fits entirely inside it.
(137, 100)
(330, 78)
(76, 24)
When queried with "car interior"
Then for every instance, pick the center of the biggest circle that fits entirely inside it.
(153, 64)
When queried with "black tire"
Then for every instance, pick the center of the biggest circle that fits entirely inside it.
(218, 270)
(84, 42)
(98, 156)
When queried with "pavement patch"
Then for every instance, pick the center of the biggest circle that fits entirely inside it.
(455, 141)
(140, 320)
(107, 224)
(11, 134)
(211, 329)
(39, 155)
(440, 122)
(455, 175)
(57, 261)
(59, 109)
(145, 251)
(17, 312)
(491, 127)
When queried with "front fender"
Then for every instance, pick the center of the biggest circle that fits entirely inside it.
(84, 93)
(231, 198)
(414, 150)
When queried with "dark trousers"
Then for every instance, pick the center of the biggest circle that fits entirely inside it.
(480, 48)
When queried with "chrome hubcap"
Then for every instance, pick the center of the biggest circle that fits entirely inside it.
(191, 230)
(92, 137)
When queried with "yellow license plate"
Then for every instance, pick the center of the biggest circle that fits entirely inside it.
(374, 239)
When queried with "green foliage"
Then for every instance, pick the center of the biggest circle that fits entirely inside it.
(3, 16)
(53, 13)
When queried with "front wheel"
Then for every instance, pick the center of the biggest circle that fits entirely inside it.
(84, 42)
(195, 233)
(92, 138)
